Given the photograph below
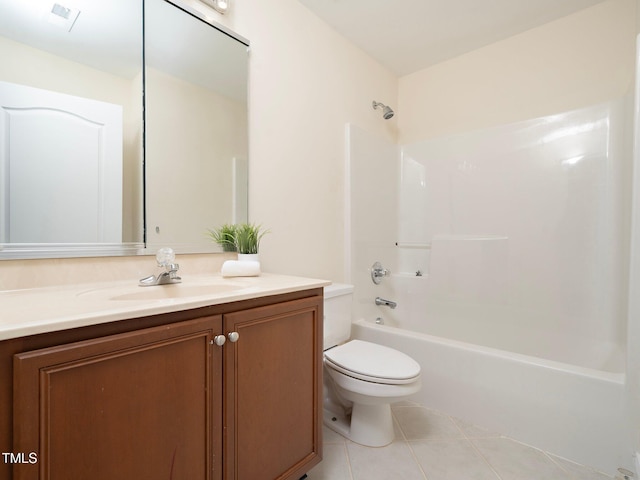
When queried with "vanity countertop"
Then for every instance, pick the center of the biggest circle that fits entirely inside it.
(41, 310)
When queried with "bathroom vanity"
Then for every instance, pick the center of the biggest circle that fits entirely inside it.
(215, 379)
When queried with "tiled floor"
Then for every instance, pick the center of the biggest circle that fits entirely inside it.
(433, 446)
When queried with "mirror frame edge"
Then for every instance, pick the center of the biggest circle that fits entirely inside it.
(182, 5)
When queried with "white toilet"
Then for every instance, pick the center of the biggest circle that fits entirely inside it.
(361, 379)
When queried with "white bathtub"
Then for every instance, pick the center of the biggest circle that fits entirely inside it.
(511, 287)
(575, 412)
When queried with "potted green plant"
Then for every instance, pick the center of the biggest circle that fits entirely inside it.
(225, 236)
(247, 240)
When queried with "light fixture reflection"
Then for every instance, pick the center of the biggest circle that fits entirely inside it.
(586, 127)
(572, 161)
(221, 5)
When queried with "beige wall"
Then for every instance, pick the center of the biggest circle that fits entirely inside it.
(580, 60)
(193, 135)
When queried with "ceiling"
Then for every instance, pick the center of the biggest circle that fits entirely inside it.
(409, 35)
(89, 40)
(107, 36)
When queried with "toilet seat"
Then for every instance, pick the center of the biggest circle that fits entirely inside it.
(372, 363)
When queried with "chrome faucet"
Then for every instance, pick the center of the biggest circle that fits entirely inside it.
(166, 259)
(386, 303)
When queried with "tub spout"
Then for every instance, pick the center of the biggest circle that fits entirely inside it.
(386, 303)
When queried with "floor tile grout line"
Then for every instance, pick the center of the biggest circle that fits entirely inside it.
(473, 445)
(461, 431)
(557, 464)
(408, 444)
(396, 422)
(549, 456)
(562, 467)
(415, 459)
(486, 460)
(346, 453)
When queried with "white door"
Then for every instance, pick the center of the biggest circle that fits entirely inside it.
(60, 168)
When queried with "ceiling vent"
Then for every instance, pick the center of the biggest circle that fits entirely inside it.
(63, 17)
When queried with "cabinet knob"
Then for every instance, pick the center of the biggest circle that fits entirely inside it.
(219, 340)
(233, 336)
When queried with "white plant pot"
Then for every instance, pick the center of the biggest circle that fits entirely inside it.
(248, 257)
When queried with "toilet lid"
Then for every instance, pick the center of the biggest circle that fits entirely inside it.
(372, 362)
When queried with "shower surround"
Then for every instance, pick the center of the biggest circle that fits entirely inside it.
(511, 242)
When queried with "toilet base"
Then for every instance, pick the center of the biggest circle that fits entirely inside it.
(369, 425)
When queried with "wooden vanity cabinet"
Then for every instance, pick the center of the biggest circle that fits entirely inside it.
(272, 391)
(140, 405)
(166, 401)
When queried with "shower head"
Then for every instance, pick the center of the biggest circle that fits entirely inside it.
(387, 113)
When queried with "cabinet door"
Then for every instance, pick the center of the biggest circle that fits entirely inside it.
(272, 388)
(139, 405)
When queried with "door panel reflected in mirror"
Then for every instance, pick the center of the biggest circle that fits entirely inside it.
(49, 135)
(95, 56)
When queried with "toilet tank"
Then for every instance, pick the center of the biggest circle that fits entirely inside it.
(337, 314)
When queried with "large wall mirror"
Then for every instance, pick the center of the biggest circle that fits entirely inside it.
(196, 128)
(89, 165)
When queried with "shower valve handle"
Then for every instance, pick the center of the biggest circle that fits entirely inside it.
(378, 271)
